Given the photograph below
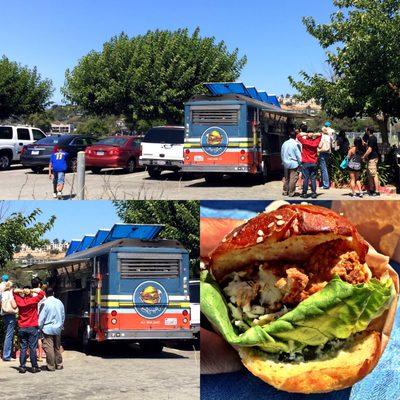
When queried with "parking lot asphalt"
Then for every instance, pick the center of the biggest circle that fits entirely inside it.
(117, 372)
(22, 184)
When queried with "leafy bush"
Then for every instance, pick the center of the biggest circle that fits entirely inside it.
(341, 178)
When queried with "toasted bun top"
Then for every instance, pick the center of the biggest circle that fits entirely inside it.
(289, 233)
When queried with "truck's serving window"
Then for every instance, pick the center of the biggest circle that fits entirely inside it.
(131, 268)
(215, 116)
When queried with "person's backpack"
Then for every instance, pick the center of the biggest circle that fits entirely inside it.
(6, 306)
(355, 163)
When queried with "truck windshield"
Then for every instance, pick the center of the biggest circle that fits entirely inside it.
(165, 135)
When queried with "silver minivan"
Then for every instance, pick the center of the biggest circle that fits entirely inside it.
(12, 139)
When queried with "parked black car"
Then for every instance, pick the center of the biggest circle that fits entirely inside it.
(37, 155)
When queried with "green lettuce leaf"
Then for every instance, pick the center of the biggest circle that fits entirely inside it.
(336, 312)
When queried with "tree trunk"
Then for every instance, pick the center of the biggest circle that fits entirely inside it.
(383, 123)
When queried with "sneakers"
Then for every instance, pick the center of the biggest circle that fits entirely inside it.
(314, 196)
(59, 367)
(21, 370)
(35, 370)
(360, 195)
(304, 196)
(59, 195)
(374, 194)
(54, 195)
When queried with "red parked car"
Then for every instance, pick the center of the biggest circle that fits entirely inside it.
(114, 152)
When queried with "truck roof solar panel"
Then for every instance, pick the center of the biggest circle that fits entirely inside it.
(133, 231)
(72, 247)
(274, 100)
(99, 238)
(85, 242)
(254, 93)
(220, 88)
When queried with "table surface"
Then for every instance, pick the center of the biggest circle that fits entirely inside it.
(382, 384)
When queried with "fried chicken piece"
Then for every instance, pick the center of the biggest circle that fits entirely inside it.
(293, 285)
(350, 269)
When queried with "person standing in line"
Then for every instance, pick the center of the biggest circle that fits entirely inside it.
(291, 159)
(8, 313)
(51, 322)
(28, 322)
(57, 168)
(372, 156)
(355, 166)
(324, 155)
(38, 283)
(342, 144)
(309, 158)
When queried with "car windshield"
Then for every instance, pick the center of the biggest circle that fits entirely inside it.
(51, 140)
(165, 135)
(113, 141)
(195, 292)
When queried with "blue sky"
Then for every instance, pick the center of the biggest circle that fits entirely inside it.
(74, 218)
(54, 34)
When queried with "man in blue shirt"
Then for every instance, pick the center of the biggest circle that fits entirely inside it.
(291, 159)
(51, 322)
(57, 168)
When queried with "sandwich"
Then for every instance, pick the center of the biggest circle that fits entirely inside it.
(302, 297)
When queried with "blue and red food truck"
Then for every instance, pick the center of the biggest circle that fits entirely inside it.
(234, 130)
(124, 284)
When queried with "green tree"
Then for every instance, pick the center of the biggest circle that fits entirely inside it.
(18, 229)
(97, 127)
(40, 120)
(22, 90)
(362, 43)
(149, 77)
(181, 220)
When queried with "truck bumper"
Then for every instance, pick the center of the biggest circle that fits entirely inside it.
(162, 164)
(147, 334)
(224, 169)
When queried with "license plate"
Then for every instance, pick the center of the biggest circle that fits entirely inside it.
(35, 152)
(161, 162)
(100, 153)
(171, 321)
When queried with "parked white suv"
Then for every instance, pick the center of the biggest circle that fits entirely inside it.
(12, 139)
(162, 149)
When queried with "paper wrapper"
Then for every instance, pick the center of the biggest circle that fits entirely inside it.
(212, 231)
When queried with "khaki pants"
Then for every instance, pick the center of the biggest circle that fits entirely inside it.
(51, 346)
(290, 180)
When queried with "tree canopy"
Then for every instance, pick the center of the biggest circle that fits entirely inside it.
(19, 229)
(149, 77)
(22, 90)
(362, 43)
(181, 220)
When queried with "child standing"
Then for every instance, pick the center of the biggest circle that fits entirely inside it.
(57, 168)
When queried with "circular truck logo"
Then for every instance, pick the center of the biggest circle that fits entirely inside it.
(214, 141)
(150, 299)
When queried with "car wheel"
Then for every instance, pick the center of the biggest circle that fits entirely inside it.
(37, 170)
(5, 161)
(154, 173)
(131, 166)
(95, 170)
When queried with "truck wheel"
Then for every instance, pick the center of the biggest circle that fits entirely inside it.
(151, 347)
(87, 343)
(5, 161)
(213, 178)
(154, 173)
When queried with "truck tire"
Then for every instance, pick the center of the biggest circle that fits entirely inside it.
(151, 347)
(5, 161)
(154, 172)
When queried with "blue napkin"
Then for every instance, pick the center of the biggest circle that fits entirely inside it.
(382, 384)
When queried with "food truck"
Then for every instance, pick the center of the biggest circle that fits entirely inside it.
(124, 284)
(235, 130)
